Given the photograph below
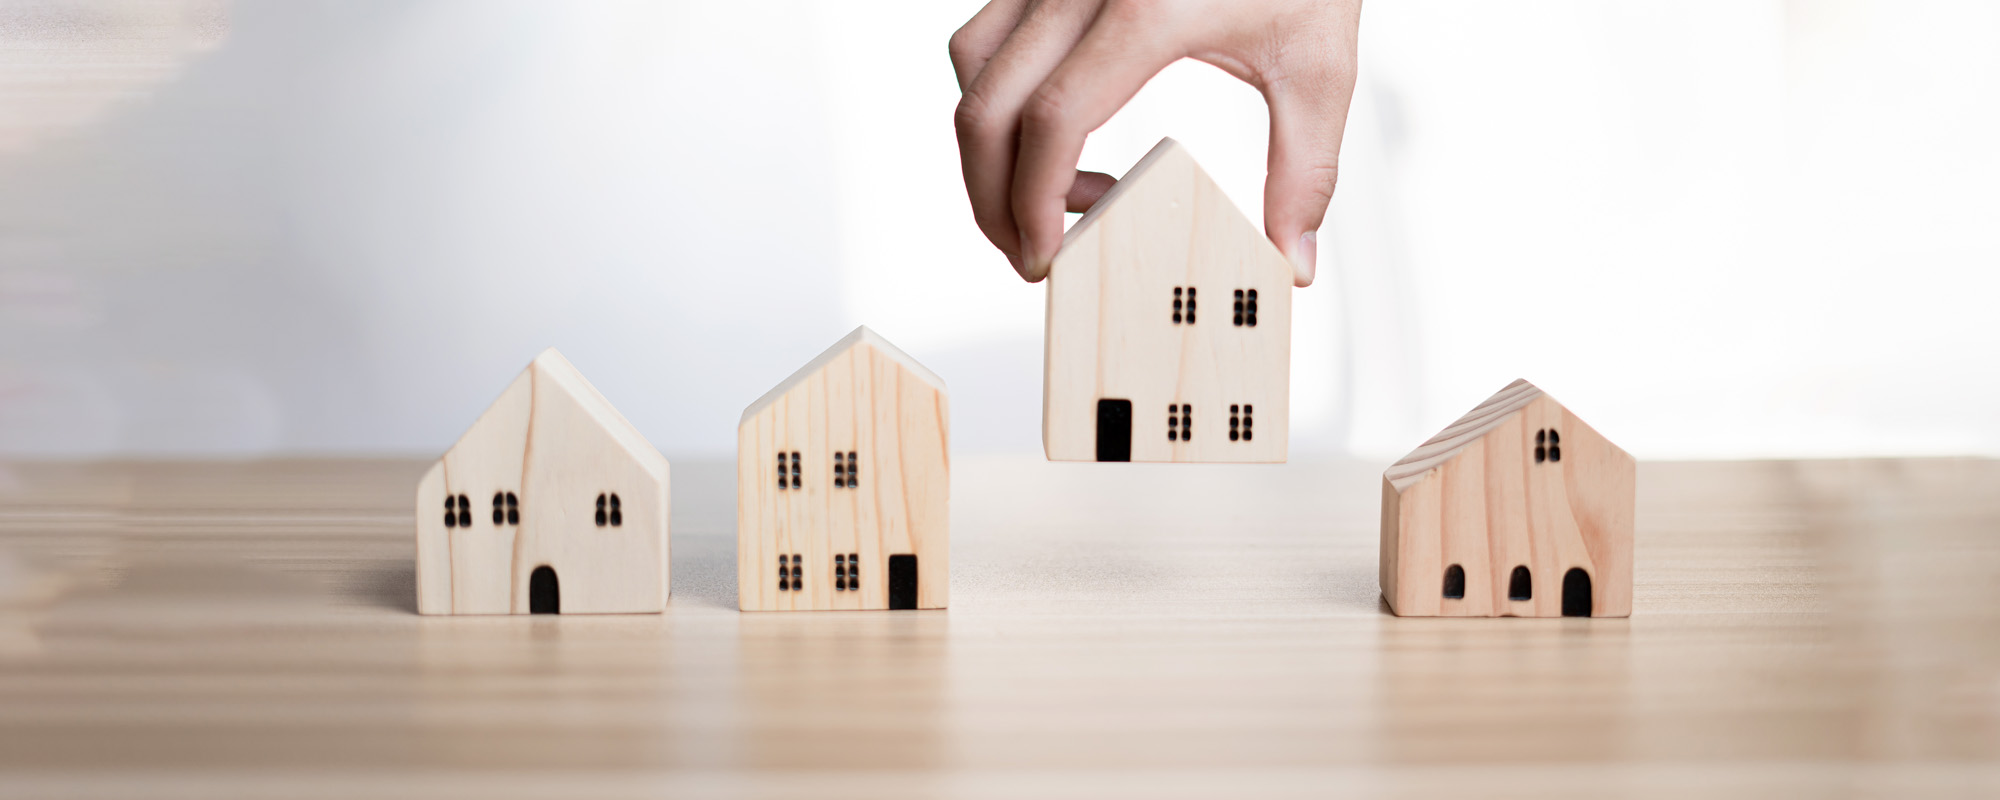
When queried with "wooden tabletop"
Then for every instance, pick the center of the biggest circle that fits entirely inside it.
(248, 629)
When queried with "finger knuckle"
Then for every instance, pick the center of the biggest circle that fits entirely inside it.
(962, 46)
(974, 115)
(1046, 110)
(1319, 180)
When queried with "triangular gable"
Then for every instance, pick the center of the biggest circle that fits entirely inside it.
(1167, 156)
(1455, 437)
(552, 369)
(861, 335)
(551, 372)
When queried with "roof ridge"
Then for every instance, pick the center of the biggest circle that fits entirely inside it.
(859, 336)
(1136, 177)
(551, 363)
(1167, 144)
(1483, 418)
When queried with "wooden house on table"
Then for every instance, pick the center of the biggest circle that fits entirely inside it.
(1517, 509)
(843, 481)
(551, 503)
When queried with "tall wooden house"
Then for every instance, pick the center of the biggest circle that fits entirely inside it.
(843, 485)
(1169, 326)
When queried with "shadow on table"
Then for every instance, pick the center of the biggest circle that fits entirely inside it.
(704, 574)
(1353, 587)
(704, 571)
(392, 586)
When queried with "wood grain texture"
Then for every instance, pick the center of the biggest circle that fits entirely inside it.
(865, 399)
(1112, 331)
(1517, 483)
(245, 630)
(555, 445)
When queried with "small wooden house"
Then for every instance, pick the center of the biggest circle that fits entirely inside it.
(551, 503)
(1517, 509)
(1169, 326)
(843, 482)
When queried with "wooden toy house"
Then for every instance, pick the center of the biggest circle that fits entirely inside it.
(1169, 326)
(551, 503)
(843, 482)
(1517, 509)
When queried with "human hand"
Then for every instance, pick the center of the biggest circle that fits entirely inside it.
(1040, 75)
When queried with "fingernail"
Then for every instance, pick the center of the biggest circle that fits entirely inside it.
(1016, 261)
(1304, 257)
(1028, 259)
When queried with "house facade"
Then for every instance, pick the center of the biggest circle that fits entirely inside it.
(843, 485)
(1517, 509)
(551, 503)
(1168, 326)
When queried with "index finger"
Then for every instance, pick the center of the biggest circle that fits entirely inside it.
(1113, 60)
(974, 43)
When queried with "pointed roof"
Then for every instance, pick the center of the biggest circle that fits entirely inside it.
(1455, 437)
(860, 336)
(1164, 158)
(551, 369)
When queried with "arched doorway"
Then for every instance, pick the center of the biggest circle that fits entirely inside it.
(544, 595)
(1576, 593)
(1520, 585)
(1454, 582)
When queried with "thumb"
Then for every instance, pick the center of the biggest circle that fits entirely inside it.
(1307, 118)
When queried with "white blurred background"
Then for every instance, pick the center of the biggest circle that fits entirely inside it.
(1736, 228)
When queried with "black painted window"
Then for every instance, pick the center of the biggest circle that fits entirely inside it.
(791, 573)
(789, 475)
(1242, 422)
(847, 572)
(1180, 422)
(847, 470)
(1244, 312)
(1183, 305)
(457, 511)
(1548, 445)
(609, 511)
(506, 508)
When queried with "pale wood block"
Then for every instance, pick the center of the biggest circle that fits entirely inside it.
(1517, 485)
(1167, 297)
(863, 519)
(534, 472)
